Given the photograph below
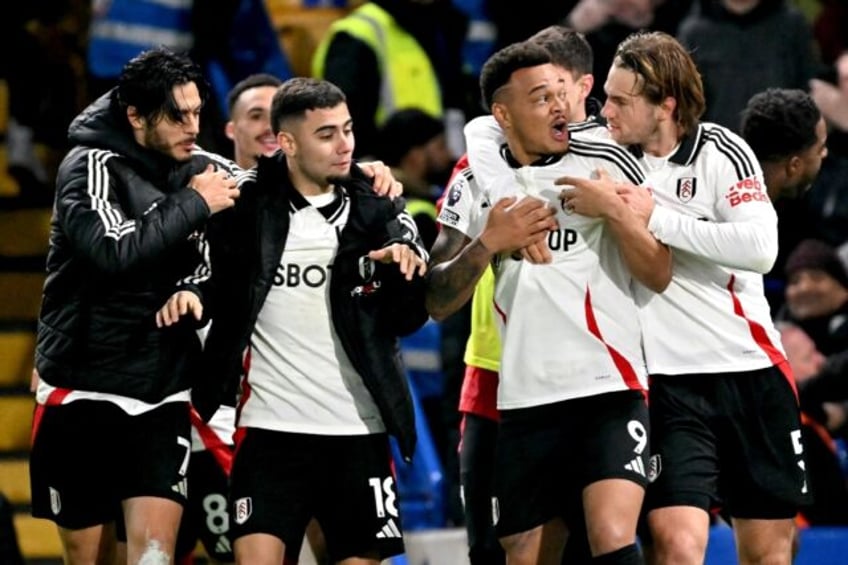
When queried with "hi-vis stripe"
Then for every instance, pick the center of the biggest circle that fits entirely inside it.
(114, 224)
(617, 155)
(732, 150)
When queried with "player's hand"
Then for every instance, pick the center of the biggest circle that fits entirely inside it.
(593, 197)
(512, 226)
(407, 260)
(384, 183)
(537, 253)
(216, 188)
(639, 199)
(181, 303)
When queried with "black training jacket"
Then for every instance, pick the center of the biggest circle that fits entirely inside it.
(368, 314)
(125, 235)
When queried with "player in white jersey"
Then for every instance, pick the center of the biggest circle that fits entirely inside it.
(206, 516)
(725, 427)
(478, 399)
(571, 353)
(318, 275)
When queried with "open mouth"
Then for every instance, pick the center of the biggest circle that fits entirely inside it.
(269, 144)
(560, 130)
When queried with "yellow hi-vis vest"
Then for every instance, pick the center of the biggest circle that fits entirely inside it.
(408, 78)
(417, 206)
(483, 348)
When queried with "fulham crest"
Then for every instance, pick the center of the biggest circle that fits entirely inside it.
(243, 509)
(686, 187)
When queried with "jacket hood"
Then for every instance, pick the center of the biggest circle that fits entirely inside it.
(102, 125)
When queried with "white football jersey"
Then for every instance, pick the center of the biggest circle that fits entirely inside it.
(299, 377)
(570, 328)
(714, 212)
(464, 208)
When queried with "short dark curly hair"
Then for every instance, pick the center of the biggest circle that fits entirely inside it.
(780, 122)
(147, 83)
(299, 94)
(498, 69)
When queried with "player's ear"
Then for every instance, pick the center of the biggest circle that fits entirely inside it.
(667, 108)
(501, 115)
(287, 143)
(136, 120)
(229, 130)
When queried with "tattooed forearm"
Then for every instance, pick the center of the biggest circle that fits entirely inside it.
(451, 284)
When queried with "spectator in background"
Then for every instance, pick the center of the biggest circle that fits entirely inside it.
(393, 54)
(826, 205)
(817, 295)
(742, 47)
(830, 28)
(832, 100)
(414, 145)
(121, 29)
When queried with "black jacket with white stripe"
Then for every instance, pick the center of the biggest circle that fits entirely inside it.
(125, 235)
(369, 308)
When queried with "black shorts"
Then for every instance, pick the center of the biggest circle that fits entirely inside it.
(476, 473)
(206, 516)
(730, 440)
(88, 456)
(280, 480)
(547, 455)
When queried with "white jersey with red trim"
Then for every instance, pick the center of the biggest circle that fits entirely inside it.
(570, 328)
(299, 378)
(714, 212)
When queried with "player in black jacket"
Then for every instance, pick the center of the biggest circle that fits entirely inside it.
(111, 428)
(317, 276)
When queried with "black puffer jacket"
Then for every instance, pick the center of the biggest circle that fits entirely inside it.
(124, 237)
(246, 245)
